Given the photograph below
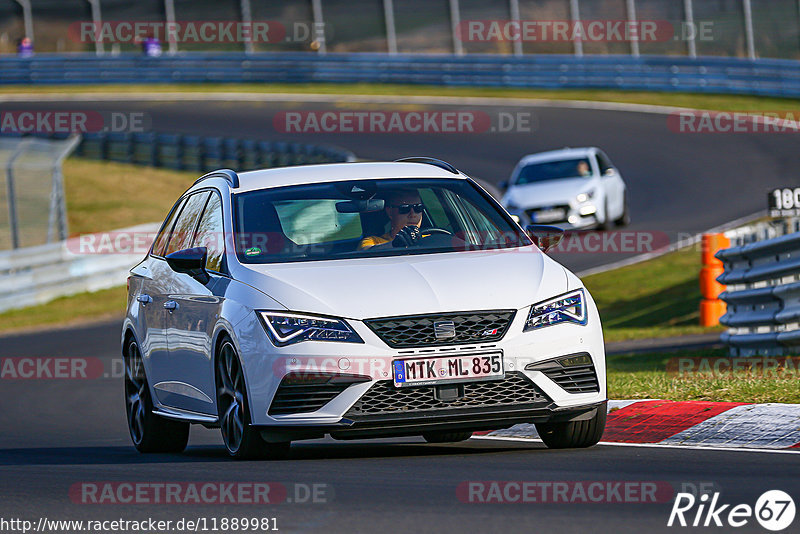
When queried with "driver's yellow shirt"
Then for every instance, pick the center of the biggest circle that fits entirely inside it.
(371, 241)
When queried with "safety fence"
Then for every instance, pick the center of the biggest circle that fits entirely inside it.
(763, 291)
(767, 77)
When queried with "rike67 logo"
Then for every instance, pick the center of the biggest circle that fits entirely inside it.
(774, 510)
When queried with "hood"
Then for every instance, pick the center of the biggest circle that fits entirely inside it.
(550, 192)
(432, 283)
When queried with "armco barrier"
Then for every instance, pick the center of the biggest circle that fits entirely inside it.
(769, 77)
(36, 275)
(763, 296)
(204, 154)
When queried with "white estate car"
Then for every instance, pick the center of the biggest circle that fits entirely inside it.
(356, 300)
(573, 188)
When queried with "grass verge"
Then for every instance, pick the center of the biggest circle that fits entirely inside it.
(643, 376)
(687, 100)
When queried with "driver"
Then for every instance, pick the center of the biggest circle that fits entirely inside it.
(583, 169)
(404, 209)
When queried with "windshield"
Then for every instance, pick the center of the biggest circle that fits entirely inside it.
(363, 218)
(554, 170)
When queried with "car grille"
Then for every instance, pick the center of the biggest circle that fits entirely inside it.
(575, 379)
(384, 398)
(300, 393)
(418, 330)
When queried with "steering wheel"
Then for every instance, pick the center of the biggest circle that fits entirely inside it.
(435, 230)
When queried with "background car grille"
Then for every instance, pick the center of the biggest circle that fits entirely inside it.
(384, 398)
(418, 331)
(298, 393)
(574, 379)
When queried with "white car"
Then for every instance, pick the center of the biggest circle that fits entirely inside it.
(357, 300)
(574, 188)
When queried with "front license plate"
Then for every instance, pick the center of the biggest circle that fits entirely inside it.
(446, 369)
(545, 216)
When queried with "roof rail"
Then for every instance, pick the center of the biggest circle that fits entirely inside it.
(429, 161)
(228, 174)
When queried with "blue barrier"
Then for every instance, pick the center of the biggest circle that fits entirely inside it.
(203, 154)
(768, 77)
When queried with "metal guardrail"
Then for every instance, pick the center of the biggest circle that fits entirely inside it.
(763, 295)
(768, 77)
(36, 275)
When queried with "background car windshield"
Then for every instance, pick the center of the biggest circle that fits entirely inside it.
(350, 219)
(554, 170)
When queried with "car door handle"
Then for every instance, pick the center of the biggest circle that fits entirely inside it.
(171, 305)
(144, 299)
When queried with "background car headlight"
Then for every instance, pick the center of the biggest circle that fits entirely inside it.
(288, 328)
(583, 197)
(567, 308)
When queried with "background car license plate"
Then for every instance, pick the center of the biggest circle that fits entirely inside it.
(543, 216)
(444, 369)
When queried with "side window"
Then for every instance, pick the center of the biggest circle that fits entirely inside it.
(183, 232)
(160, 242)
(210, 233)
(603, 162)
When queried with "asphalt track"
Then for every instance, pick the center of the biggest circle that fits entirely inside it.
(56, 433)
(59, 433)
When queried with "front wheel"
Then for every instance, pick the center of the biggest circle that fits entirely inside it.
(625, 218)
(574, 434)
(149, 432)
(241, 440)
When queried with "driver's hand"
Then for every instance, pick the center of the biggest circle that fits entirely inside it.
(406, 237)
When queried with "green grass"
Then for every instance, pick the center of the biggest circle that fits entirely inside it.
(642, 376)
(656, 298)
(688, 100)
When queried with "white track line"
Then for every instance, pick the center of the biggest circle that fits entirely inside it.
(652, 445)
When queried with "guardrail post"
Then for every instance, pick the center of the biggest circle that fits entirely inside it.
(169, 15)
(688, 8)
(12, 195)
(711, 307)
(631, 6)
(575, 15)
(27, 17)
(455, 22)
(319, 26)
(247, 19)
(513, 7)
(748, 29)
(391, 34)
(97, 21)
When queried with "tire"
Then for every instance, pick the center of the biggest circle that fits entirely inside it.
(149, 432)
(605, 225)
(241, 440)
(625, 218)
(446, 437)
(573, 434)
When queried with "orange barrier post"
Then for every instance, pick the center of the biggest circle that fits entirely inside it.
(711, 308)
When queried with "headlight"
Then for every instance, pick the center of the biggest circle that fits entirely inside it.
(584, 197)
(567, 308)
(288, 328)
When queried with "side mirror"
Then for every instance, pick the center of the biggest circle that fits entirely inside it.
(611, 171)
(191, 261)
(545, 237)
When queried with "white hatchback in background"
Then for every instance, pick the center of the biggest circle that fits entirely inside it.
(574, 188)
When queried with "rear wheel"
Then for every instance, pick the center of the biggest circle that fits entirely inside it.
(573, 434)
(241, 440)
(149, 432)
(446, 437)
